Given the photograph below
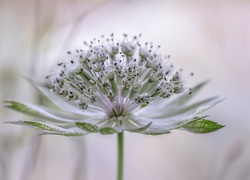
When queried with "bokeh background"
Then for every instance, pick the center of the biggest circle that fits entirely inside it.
(210, 38)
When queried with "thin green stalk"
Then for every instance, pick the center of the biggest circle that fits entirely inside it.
(120, 153)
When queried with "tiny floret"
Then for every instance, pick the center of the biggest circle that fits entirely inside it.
(111, 86)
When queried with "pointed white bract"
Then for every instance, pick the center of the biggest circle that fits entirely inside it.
(112, 86)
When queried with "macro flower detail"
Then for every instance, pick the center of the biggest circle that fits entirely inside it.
(113, 86)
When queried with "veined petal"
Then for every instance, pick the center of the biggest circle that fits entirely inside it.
(175, 102)
(184, 98)
(134, 125)
(197, 108)
(42, 126)
(178, 123)
(109, 126)
(141, 129)
(186, 112)
(60, 102)
(70, 133)
(155, 130)
(197, 125)
(167, 126)
(43, 112)
(143, 126)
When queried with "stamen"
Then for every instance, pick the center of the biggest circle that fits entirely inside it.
(116, 77)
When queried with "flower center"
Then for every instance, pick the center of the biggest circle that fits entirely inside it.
(116, 77)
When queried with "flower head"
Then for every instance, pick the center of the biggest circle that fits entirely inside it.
(113, 86)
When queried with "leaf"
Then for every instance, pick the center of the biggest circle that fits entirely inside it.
(87, 127)
(141, 128)
(201, 126)
(107, 130)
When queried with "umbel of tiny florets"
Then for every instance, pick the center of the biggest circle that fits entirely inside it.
(112, 86)
(117, 77)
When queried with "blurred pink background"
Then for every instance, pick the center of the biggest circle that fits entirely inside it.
(209, 38)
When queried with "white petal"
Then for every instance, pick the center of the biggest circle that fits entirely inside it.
(43, 112)
(176, 102)
(60, 102)
(186, 112)
(48, 128)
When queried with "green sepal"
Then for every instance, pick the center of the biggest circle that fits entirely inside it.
(201, 126)
(138, 130)
(107, 130)
(87, 127)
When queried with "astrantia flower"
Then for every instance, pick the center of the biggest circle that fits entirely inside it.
(113, 86)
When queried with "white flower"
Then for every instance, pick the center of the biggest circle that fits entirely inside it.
(114, 86)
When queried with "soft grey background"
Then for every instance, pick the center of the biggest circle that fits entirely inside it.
(210, 38)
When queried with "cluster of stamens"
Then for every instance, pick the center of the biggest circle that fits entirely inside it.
(116, 77)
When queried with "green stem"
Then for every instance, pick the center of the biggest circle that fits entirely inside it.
(120, 148)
